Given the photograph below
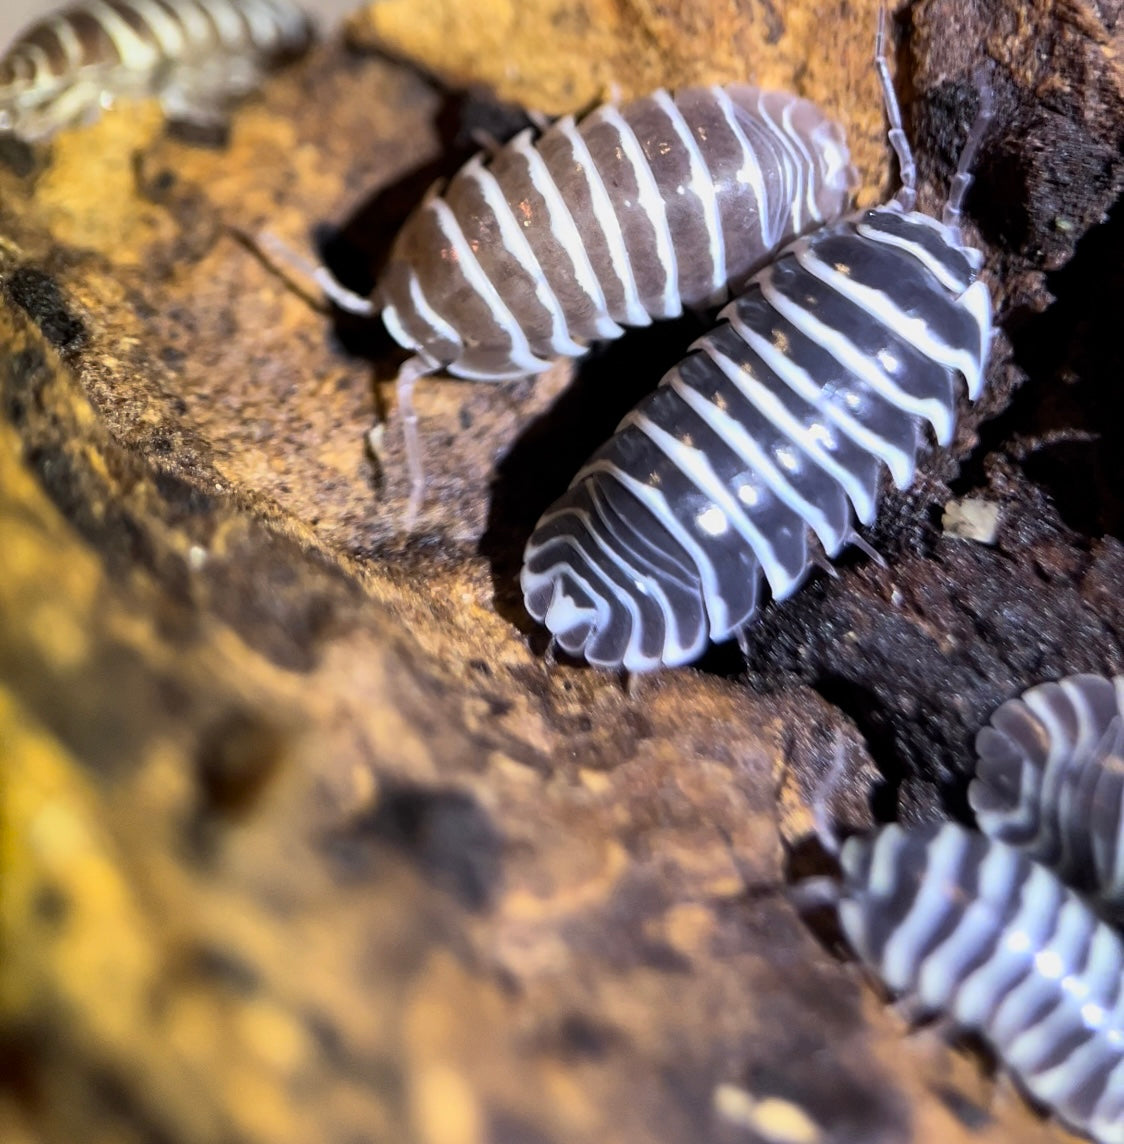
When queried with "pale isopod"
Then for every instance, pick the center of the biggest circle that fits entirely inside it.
(195, 55)
(628, 215)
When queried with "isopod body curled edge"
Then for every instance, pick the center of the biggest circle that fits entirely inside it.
(1050, 780)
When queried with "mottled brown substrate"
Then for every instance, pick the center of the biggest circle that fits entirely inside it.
(303, 839)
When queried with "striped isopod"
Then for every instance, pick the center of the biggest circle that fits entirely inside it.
(1050, 780)
(632, 213)
(976, 930)
(196, 55)
(775, 425)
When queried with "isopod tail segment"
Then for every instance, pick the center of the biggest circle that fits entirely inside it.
(823, 891)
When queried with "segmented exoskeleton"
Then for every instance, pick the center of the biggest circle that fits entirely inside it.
(196, 55)
(976, 930)
(775, 426)
(1050, 780)
(630, 214)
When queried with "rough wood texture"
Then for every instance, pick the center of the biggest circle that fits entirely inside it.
(303, 838)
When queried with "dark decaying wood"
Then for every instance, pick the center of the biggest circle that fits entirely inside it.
(304, 838)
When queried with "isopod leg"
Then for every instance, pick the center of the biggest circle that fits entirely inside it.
(816, 893)
(299, 273)
(412, 369)
(824, 564)
(486, 141)
(340, 296)
(829, 784)
(918, 1016)
(79, 106)
(200, 97)
(866, 547)
(907, 195)
(962, 180)
(742, 636)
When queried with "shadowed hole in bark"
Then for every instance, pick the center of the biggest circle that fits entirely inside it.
(22, 386)
(236, 758)
(283, 599)
(51, 906)
(578, 1036)
(38, 295)
(224, 969)
(21, 1050)
(859, 703)
(1035, 181)
(446, 834)
(1066, 425)
(215, 136)
(38, 1071)
(19, 157)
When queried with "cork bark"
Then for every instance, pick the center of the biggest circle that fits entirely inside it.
(305, 837)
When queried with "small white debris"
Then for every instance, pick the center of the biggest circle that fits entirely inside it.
(773, 1119)
(375, 438)
(971, 519)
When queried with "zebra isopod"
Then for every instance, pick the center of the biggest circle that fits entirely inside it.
(628, 215)
(775, 426)
(1050, 780)
(195, 55)
(976, 930)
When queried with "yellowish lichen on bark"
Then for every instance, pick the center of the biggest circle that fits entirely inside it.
(562, 56)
